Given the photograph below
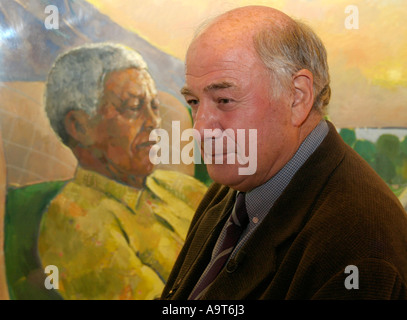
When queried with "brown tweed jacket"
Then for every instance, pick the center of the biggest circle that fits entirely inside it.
(336, 212)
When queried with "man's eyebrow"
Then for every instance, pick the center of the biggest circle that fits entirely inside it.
(211, 87)
(219, 85)
(185, 91)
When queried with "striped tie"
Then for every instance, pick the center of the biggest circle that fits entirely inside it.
(235, 225)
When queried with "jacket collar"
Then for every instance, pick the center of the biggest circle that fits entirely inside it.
(287, 217)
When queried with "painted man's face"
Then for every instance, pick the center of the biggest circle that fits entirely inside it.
(127, 114)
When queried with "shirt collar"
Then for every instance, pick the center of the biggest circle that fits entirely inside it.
(260, 200)
(121, 192)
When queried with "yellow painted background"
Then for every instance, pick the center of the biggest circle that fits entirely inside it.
(368, 65)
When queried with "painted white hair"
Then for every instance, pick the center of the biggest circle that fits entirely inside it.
(76, 80)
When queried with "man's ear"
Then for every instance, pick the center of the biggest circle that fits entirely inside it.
(303, 96)
(77, 126)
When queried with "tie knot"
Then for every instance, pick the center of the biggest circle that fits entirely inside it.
(241, 217)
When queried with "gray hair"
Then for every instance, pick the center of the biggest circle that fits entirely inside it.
(289, 48)
(76, 80)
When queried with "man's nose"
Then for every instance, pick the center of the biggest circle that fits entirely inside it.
(153, 118)
(205, 118)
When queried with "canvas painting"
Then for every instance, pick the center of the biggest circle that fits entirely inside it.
(84, 212)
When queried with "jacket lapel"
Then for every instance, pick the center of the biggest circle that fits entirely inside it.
(202, 239)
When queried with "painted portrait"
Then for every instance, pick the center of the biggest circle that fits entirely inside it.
(84, 213)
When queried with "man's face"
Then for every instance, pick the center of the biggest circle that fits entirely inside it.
(124, 120)
(229, 88)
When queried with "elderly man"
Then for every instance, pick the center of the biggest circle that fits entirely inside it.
(314, 221)
(115, 230)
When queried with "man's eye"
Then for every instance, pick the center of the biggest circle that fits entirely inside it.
(192, 102)
(131, 105)
(132, 108)
(155, 104)
(224, 100)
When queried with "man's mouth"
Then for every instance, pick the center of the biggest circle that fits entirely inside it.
(145, 144)
(219, 158)
(142, 141)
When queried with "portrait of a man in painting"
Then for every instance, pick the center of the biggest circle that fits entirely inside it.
(115, 230)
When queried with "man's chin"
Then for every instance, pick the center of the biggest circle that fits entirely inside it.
(146, 170)
(226, 174)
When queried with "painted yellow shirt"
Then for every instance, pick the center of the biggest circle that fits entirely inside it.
(110, 241)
